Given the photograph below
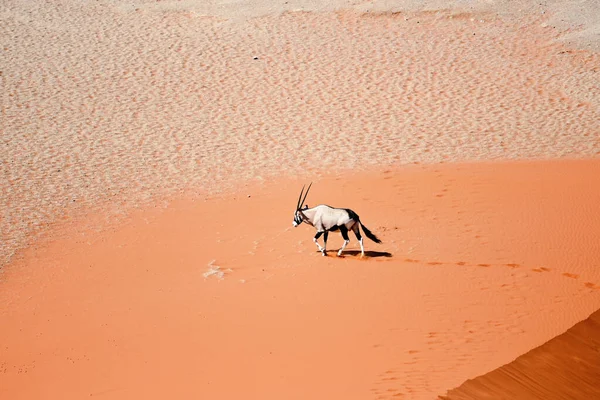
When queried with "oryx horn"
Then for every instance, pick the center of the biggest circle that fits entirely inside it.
(301, 203)
(299, 198)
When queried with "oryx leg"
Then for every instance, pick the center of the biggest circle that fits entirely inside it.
(324, 249)
(316, 238)
(356, 230)
(344, 232)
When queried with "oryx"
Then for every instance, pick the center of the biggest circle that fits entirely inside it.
(326, 219)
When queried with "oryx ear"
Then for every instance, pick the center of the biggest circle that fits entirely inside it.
(305, 206)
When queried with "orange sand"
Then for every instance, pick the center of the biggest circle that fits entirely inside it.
(567, 367)
(222, 298)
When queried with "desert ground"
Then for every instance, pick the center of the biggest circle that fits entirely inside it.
(153, 153)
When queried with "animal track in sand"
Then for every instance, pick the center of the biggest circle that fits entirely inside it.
(589, 285)
(541, 269)
(386, 386)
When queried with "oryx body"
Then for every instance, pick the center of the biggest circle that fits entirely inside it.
(326, 219)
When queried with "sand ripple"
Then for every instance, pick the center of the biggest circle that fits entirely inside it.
(141, 103)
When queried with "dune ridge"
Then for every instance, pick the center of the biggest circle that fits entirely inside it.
(566, 367)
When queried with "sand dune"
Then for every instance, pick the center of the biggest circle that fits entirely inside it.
(567, 367)
(480, 263)
(151, 152)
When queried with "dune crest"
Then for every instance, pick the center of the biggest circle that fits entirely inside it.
(566, 367)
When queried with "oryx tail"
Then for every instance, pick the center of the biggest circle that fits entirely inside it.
(369, 234)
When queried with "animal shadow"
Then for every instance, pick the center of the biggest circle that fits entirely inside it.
(368, 253)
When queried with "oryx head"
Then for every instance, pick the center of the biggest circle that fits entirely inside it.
(298, 215)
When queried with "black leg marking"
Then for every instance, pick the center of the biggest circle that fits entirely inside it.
(324, 250)
(344, 232)
(357, 232)
(318, 235)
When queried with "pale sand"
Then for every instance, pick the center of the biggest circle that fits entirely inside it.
(111, 105)
(104, 101)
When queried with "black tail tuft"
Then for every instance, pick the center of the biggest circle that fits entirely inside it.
(370, 234)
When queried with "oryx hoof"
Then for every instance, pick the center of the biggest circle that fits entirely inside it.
(339, 253)
(324, 253)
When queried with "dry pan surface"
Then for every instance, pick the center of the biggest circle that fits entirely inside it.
(109, 104)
